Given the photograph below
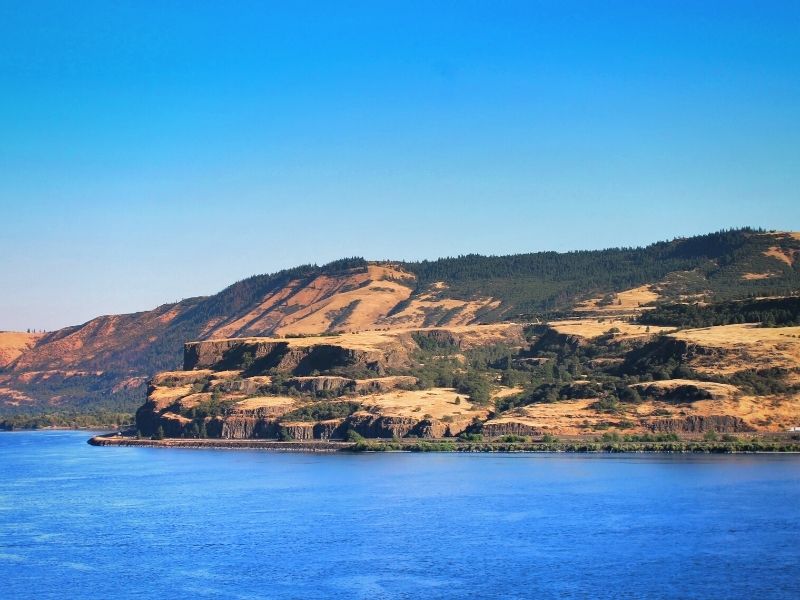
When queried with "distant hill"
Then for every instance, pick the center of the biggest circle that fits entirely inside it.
(105, 362)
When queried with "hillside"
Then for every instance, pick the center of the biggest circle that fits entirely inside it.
(482, 381)
(14, 343)
(107, 361)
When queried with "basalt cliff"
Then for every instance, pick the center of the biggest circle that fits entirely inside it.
(320, 387)
(486, 381)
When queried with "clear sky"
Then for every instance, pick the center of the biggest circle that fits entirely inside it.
(151, 151)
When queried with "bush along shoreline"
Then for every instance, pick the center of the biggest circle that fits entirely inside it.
(689, 447)
(727, 446)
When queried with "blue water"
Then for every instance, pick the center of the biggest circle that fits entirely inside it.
(79, 522)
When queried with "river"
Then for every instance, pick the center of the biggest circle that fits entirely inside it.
(78, 521)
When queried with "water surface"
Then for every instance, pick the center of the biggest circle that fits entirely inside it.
(78, 521)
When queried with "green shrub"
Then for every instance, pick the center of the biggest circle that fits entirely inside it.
(322, 411)
(476, 386)
(513, 439)
(353, 436)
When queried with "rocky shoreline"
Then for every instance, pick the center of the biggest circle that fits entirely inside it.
(294, 446)
(766, 445)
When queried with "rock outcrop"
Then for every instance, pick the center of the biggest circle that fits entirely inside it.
(337, 386)
(242, 427)
(232, 388)
(701, 424)
(381, 426)
(379, 385)
(299, 357)
(500, 427)
(322, 384)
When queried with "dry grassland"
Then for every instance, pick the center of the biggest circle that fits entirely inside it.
(745, 346)
(633, 300)
(594, 328)
(14, 343)
(437, 402)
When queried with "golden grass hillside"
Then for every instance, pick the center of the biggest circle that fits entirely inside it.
(627, 302)
(592, 328)
(14, 343)
(353, 302)
(743, 347)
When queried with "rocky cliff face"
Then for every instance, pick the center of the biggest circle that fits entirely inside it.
(322, 387)
(260, 355)
(244, 423)
(701, 424)
(261, 387)
(332, 385)
(500, 427)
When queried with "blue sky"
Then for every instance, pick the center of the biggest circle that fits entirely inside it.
(151, 151)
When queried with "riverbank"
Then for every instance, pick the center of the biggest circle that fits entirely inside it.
(575, 446)
(294, 446)
(97, 421)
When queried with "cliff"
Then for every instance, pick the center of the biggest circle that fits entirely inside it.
(299, 388)
(445, 382)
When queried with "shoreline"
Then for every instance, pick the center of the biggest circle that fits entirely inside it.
(273, 445)
(449, 445)
(110, 429)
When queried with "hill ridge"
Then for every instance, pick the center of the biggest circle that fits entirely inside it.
(107, 359)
